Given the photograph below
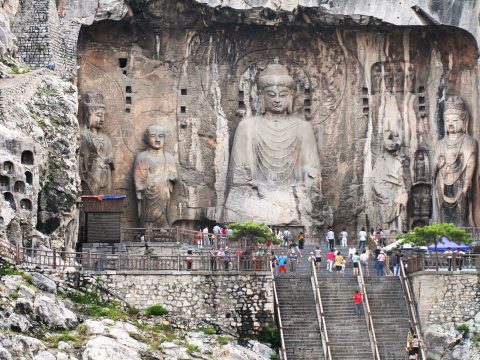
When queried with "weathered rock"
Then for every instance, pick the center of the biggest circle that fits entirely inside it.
(104, 348)
(45, 355)
(24, 305)
(44, 283)
(53, 313)
(20, 346)
(18, 323)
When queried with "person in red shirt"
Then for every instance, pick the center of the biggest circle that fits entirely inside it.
(358, 300)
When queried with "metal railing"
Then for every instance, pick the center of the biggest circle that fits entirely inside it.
(368, 316)
(412, 312)
(282, 350)
(100, 262)
(320, 314)
(443, 262)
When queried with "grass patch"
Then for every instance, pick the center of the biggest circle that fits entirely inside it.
(476, 339)
(96, 307)
(82, 329)
(223, 340)
(192, 348)
(274, 356)
(155, 310)
(14, 295)
(463, 328)
(210, 331)
(66, 336)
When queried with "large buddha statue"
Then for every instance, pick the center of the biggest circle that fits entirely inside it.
(454, 166)
(155, 174)
(274, 163)
(96, 150)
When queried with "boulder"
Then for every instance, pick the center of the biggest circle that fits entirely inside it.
(106, 348)
(20, 346)
(44, 283)
(53, 313)
(45, 355)
(18, 323)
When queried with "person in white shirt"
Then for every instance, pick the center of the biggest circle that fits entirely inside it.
(344, 237)
(318, 257)
(331, 239)
(364, 262)
(362, 237)
(351, 252)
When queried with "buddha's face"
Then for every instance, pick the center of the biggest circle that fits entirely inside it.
(155, 139)
(97, 118)
(277, 98)
(391, 141)
(454, 124)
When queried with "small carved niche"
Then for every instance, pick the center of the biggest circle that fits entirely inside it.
(183, 109)
(8, 197)
(8, 167)
(4, 183)
(26, 204)
(122, 63)
(2, 221)
(28, 177)
(183, 92)
(422, 200)
(27, 157)
(19, 187)
(421, 167)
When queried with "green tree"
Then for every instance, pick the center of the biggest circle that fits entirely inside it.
(252, 231)
(426, 235)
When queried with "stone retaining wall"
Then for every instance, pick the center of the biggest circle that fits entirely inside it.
(237, 302)
(446, 297)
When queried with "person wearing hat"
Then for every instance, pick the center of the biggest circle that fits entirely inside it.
(293, 259)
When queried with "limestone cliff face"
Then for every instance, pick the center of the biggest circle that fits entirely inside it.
(38, 160)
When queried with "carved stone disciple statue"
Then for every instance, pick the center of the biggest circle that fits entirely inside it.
(96, 150)
(274, 163)
(155, 174)
(389, 185)
(454, 166)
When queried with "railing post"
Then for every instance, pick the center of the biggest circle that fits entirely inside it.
(54, 258)
(17, 255)
(177, 234)
(178, 262)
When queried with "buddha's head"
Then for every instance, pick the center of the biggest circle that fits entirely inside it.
(155, 137)
(93, 110)
(455, 115)
(391, 141)
(275, 89)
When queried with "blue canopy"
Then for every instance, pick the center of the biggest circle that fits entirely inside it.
(447, 243)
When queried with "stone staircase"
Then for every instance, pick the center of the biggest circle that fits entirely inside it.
(348, 334)
(299, 318)
(389, 314)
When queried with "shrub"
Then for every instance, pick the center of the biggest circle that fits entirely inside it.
(223, 340)
(192, 348)
(155, 310)
(463, 328)
(210, 331)
(270, 335)
(274, 356)
(66, 336)
(82, 329)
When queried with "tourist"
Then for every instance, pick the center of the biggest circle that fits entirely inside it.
(206, 239)
(397, 264)
(223, 236)
(287, 236)
(413, 345)
(189, 260)
(294, 246)
(362, 237)
(376, 253)
(293, 259)
(274, 260)
(449, 255)
(282, 262)
(226, 259)
(344, 264)
(217, 230)
(318, 257)
(364, 262)
(344, 237)
(383, 238)
(331, 238)
(199, 237)
(330, 259)
(213, 259)
(355, 261)
(339, 260)
(459, 255)
(358, 300)
(381, 264)
(351, 252)
(301, 240)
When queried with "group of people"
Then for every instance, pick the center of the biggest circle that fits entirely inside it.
(217, 239)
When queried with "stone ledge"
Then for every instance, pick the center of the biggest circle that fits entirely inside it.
(174, 272)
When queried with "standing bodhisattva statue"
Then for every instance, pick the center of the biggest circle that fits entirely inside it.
(454, 166)
(274, 162)
(155, 174)
(96, 150)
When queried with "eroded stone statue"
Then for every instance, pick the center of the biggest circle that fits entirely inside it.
(274, 164)
(96, 150)
(155, 174)
(389, 185)
(454, 166)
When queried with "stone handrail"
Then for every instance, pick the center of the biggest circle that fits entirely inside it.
(320, 314)
(283, 351)
(432, 261)
(412, 313)
(100, 262)
(368, 315)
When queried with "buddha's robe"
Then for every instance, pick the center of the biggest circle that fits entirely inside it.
(155, 173)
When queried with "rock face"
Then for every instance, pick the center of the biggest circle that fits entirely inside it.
(39, 166)
(351, 86)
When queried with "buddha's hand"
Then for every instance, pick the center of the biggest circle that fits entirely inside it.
(139, 195)
(440, 162)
